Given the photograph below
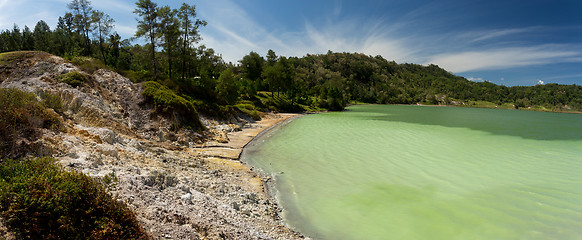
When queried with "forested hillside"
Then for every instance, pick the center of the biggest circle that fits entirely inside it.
(173, 57)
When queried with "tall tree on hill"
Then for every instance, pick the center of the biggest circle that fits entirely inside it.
(4, 38)
(148, 27)
(102, 24)
(271, 57)
(114, 42)
(42, 36)
(189, 25)
(82, 11)
(170, 33)
(15, 43)
(252, 66)
(63, 36)
(27, 39)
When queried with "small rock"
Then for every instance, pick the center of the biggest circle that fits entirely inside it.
(187, 197)
(73, 155)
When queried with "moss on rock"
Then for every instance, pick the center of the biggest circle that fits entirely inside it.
(73, 78)
(168, 102)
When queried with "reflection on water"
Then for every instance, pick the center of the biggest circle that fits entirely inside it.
(408, 172)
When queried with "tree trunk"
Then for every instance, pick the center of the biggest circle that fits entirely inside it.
(154, 65)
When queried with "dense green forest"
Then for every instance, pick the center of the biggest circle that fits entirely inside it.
(172, 56)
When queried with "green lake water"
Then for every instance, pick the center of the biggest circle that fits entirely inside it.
(413, 172)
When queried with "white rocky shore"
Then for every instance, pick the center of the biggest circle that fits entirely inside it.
(182, 185)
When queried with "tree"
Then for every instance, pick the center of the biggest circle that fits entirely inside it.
(271, 57)
(102, 26)
(28, 41)
(15, 43)
(169, 33)
(148, 27)
(4, 38)
(227, 88)
(115, 42)
(64, 43)
(66, 23)
(252, 66)
(82, 11)
(42, 36)
(273, 75)
(189, 29)
(286, 83)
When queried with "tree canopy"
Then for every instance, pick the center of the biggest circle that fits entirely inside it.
(173, 58)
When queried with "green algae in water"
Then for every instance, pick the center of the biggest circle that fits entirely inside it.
(410, 172)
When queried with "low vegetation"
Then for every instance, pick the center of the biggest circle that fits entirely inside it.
(39, 200)
(168, 102)
(73, 78)
(8, 58)
(249, 109)
(22, 114)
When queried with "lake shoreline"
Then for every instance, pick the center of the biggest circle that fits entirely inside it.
(268, 181)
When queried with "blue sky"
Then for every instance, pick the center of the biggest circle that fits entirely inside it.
(507, 42)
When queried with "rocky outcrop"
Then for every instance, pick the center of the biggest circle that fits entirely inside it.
(182, 185)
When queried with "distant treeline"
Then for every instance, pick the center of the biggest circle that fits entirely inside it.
(314, 82)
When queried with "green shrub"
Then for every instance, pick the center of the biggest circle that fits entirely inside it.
(168, 102)
(73, 78)
(52, 101)
(250, 110)
(39, 200)
(21, 114)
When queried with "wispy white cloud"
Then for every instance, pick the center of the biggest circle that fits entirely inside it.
(3, 2)
(28, 13)
(125, 30)
(234, 33)
(497, 33)
(236, 37)
(475, 79)
(337, 9)
(502, 58)
(113, 6)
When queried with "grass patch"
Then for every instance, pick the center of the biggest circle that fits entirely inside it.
(249, 109)
(11, 59)
(39, 200)
(73, 78)
(168, 102)
(8, 58)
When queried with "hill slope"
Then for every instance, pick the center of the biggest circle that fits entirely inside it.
(182, 184)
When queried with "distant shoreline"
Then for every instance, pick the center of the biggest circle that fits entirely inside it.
(477, 105)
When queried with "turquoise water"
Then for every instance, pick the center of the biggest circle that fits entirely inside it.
(412, 172)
